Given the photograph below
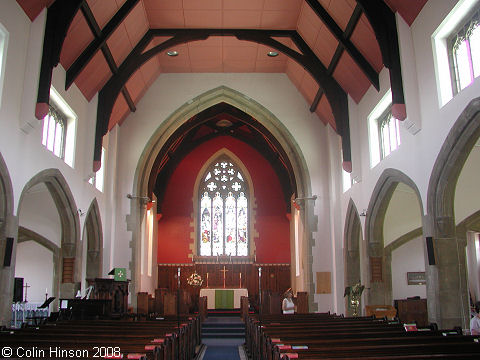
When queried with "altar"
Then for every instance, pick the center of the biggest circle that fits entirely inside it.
(223, 298)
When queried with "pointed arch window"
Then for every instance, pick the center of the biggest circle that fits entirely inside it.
(223, 215)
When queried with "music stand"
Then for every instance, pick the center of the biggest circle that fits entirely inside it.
(47, 303)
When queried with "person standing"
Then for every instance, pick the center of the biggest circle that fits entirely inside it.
(288, 307)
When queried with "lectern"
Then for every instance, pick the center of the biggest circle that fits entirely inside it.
(110, 289)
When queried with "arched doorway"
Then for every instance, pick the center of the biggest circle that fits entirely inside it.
(449, 305)
(352, 240)
(394, 212)
(279, 134)
(60, 225)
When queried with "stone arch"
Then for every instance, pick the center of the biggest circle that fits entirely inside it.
(381, 290)
(352, 233)
(173, 122)
(93, 230)
(70, 223)
(448, 310)
(8, 228)
(251, 197)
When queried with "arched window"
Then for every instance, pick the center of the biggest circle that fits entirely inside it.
(223, 215)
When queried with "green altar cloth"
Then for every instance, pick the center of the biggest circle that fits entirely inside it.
(224, 299)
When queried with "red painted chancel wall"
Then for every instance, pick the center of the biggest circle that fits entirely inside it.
(271, 223)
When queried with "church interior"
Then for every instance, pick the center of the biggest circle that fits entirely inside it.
(173, 158)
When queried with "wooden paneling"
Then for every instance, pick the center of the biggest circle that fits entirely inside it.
(68, 270)
(376, 269)
(412, 310)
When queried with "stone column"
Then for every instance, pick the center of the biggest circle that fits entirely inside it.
(447, 295)
(7, 273)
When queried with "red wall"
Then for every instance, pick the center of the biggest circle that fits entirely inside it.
(272, 225)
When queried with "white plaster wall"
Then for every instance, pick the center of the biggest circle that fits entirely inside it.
(467, 192)
(35, 266)
(417, 153)
(20, 132)
(275, 92)
(407, 258)
(403, 214)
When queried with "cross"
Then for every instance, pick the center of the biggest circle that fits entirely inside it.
(26, 286)
(224, 273)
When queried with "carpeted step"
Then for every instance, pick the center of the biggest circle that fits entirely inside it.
(223, 335)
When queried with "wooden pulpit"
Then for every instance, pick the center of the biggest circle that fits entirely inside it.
(109, 289)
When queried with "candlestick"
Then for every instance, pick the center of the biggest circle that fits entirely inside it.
(240, 275)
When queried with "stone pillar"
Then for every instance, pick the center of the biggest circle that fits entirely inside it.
(7, 273)
(447, 295)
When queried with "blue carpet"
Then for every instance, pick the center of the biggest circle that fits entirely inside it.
(221, 353)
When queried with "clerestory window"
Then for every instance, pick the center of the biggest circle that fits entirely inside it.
(464, 53)
(388, 133)
(224, 210)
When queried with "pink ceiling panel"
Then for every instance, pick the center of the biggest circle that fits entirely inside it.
(242, 5)
(118, 44)
(283, 20)
(241, 19)
(295, 73)
(156, 41)
(324, 112)
(364, 39)
(265, 66)
(203, 4)
(163, 4)
(340, 11)
(165, 18)
(290, 5)
(351, 78)
(120, 109)
(308, 25)
(308, 88)
(205, 53)
(77, 39)
(136, 24)
(203, 18)
(135, 85)
(103, 10)
(243, 53)
(207, 66)
(33, 8)
(287, 42)
(409, 9)
(212, 41)
(150, 70)
(238, 66)
(231, 41)
(325, 46)
(93, 76)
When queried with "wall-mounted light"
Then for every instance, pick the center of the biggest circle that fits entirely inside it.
(80, 212)
(272, 53)
(143, 199)
(364, 212)
(172, 53)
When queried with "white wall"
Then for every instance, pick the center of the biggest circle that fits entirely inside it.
(407, 258)
(35, 266)
(467, 192)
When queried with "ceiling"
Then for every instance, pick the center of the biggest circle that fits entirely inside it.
(338, 38)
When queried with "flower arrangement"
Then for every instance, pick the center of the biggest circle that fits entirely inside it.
(195, 279)
(354, 293)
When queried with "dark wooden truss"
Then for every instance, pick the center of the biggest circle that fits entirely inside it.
(61, 13)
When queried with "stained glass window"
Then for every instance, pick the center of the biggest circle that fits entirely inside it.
(223, 211)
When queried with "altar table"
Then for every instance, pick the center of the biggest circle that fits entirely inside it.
(223, 298)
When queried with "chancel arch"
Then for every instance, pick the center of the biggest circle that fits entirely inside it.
(245, 111)
(449, 246)
(394, 211)
(50, 186)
